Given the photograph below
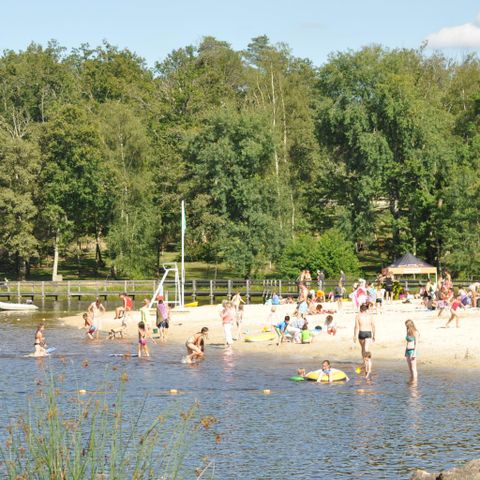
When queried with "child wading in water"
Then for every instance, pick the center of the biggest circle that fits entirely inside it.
(89, 326)
(142, 341)
(411, 348)
(196, 345)
(456, 304)
(367, 363)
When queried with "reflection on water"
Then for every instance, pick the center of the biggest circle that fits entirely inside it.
(377, 429)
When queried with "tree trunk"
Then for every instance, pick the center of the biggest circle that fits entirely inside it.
(55, 256)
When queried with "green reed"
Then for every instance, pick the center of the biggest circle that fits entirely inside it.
(89, 437)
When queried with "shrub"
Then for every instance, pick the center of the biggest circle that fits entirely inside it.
(330, 252)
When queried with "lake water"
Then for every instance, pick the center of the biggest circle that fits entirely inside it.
(377, 430)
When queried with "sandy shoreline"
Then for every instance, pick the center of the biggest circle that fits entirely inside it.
(438, 346)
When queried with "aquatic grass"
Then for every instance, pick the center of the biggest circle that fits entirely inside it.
(86, 437)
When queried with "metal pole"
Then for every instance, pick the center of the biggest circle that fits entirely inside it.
(182, 286)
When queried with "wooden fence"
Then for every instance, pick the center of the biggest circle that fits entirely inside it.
(209, 290)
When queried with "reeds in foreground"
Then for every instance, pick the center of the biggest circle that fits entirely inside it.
(87, 438)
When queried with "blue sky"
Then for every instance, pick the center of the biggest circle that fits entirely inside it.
(312, 28)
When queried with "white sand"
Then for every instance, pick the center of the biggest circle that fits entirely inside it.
(438, 346)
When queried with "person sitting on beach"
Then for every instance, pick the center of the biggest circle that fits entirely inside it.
(89, 326)
(295, 326)
(364, 328)
(275, 299)
(127, 306)
(330, 325)
(306, 335)
(281, 330)
(456, 304)
(195, 345)
(40, 344)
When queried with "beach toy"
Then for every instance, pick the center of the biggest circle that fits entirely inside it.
(173, 391)
(261, 337)
(358, 370)
(338, 376)
(191, 304)
(267, 391)
(297, 378)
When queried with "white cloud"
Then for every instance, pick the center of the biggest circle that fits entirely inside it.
(461, 36)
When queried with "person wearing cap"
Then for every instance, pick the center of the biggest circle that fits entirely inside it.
(281, 329)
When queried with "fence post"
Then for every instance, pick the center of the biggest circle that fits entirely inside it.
(18, 290)
(68, 289)
(247, 288)
(194, 290)
(212, 297)
(125, 286)
(229, 289)
(43, 289)
(279, 288)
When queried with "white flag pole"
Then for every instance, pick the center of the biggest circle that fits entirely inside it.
(182, 285)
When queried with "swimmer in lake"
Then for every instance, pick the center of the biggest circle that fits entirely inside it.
(195, 345)
(364, 329)
(40, 343)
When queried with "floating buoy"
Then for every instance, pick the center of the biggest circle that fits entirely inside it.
(358, 370)
(173, 391)
(267, 391)
(82, 392)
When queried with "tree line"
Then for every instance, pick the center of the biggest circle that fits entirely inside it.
(377, 149)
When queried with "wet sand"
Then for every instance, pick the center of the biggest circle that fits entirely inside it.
(438, 346)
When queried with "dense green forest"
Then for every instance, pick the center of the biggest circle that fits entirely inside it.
(375, 151)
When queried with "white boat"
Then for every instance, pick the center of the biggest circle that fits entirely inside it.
(17, 306)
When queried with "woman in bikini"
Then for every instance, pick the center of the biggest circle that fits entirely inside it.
(195, 345)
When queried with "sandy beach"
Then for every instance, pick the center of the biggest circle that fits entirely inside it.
(438, 346)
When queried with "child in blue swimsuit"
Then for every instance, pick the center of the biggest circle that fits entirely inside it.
(411, 348)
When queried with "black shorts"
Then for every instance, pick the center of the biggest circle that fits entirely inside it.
(363, 335)
(379, 300)
(389, 289)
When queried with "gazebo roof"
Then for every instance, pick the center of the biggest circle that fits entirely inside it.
(410, 261)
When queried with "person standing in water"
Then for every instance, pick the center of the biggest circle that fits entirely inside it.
(411, 348)
(227, 320)
(195, 345)
(95, 310)
(40, 343)
(142, 340)
(364, 328)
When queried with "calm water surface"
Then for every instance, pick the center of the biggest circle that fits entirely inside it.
(377, 430)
